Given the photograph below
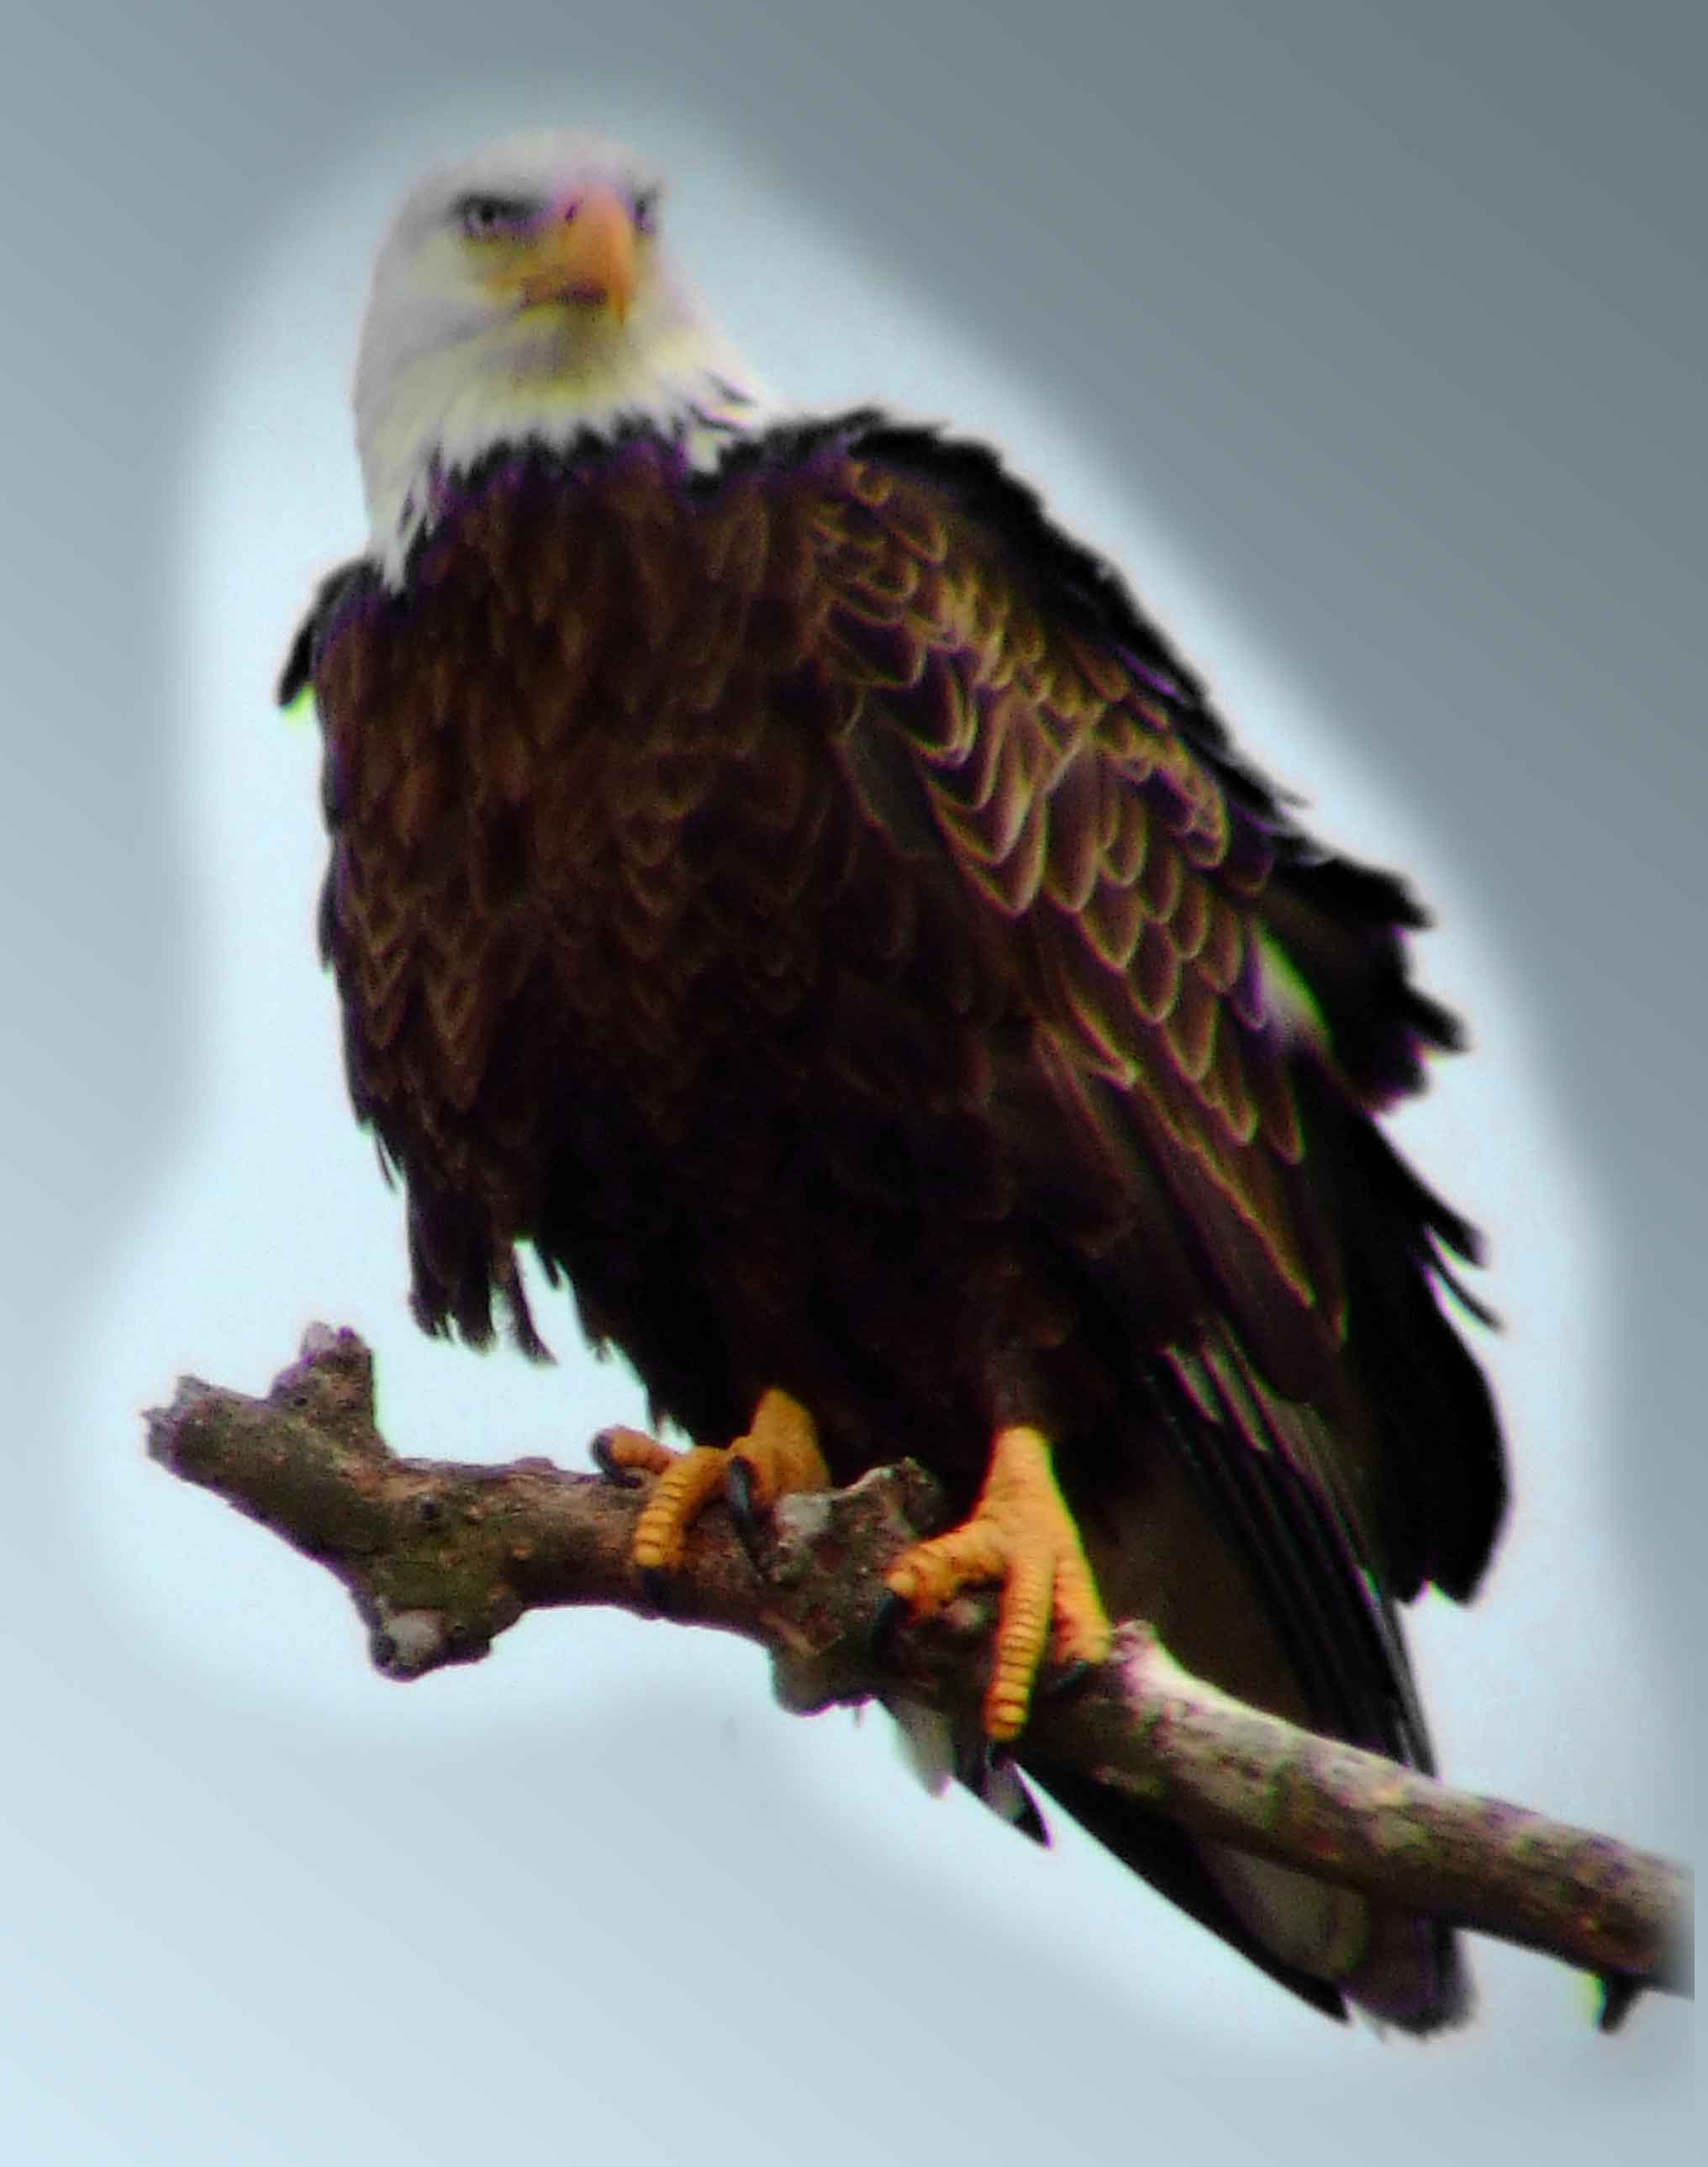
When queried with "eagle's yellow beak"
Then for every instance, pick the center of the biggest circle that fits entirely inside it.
(585, 254)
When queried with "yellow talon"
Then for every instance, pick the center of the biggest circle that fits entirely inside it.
(1021, 1534)
(679, 1496)
(780, 1451)
(632, 1450)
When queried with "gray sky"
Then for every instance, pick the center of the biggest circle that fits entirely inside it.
(1359, 351)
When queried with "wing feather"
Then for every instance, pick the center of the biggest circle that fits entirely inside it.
(1162, 907)
(1089, 819)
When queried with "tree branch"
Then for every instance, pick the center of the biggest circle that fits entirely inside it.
(440, 1559)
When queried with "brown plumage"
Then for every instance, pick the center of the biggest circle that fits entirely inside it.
(810, 904)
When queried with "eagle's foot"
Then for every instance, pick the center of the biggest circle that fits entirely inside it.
(1021, 1534)
(623, 1456)
(779, 1455)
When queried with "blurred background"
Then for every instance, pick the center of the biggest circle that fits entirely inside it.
(1362, 338)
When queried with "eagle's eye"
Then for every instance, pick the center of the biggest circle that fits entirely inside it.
(492, 217)
(645, 211)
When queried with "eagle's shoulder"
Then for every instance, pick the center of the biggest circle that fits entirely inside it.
(357, 576)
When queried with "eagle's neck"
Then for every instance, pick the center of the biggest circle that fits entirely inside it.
(441, 416)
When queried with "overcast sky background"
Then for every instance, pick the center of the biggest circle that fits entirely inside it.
(1366, 350)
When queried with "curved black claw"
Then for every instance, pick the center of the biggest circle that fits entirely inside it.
(978, 1759)
(610, 1470)
(750, 1522)
(1026, 1818)
(1065, 1679)
(990, 1773)
(656, 1587)
(888, 1620)
(988, 1768)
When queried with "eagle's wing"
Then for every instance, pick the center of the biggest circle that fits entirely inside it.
(1222, 1009)
(1222, 1006)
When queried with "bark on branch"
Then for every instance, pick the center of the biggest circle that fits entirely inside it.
(441, 1557)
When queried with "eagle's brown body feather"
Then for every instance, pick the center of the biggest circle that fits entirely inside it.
(813, 908)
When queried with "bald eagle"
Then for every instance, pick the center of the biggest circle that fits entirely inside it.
(784, 880)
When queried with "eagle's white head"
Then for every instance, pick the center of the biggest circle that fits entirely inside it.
(526, 295)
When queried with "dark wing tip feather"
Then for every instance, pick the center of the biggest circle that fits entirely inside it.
(294, 677)
(297, 675)
(465, 1313)
(1426, 1386)
(1163, 1854)
(1342, 1641)
(1343, 927)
